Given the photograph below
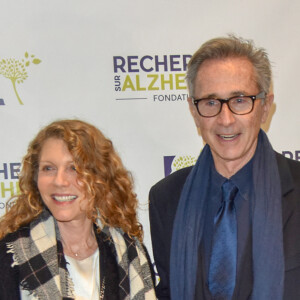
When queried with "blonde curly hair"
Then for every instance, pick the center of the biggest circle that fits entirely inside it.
(106, 183)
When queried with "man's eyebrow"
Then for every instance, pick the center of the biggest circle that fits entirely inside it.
(238, 93)
(232, 94)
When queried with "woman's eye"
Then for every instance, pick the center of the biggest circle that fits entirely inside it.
(47, 168)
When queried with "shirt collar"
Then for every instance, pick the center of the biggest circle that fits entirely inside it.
(242, 179)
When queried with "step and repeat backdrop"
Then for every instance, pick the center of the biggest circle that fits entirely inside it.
(120, 65)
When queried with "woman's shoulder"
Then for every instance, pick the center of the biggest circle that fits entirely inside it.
(23, 231)
(9, 284)
(6, 256)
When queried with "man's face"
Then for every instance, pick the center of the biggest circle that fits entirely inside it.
(232, 138)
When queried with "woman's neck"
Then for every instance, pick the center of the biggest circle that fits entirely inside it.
(78, 238)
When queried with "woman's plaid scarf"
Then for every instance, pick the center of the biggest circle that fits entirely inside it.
(38, 256)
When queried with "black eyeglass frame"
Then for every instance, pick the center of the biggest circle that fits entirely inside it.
(261, 95)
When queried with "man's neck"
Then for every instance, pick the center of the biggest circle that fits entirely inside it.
(229, 168)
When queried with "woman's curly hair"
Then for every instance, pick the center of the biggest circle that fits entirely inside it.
(108, 186)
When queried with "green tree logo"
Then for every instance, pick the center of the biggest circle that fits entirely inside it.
(16, 70)
(183, 161)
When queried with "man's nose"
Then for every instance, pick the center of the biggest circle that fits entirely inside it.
(226, 116)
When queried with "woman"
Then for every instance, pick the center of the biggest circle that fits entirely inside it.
(72, 232)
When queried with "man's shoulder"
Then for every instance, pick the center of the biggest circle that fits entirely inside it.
(177, 178)
(164, 196)
(285, 164)
(167, 191)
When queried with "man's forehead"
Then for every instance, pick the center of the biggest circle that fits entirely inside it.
(226, 63)
(225, 77)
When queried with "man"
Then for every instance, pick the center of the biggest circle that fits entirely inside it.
(229, 227)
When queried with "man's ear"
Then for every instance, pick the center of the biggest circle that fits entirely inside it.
(193, 111)
(190, 101)
(267, 107)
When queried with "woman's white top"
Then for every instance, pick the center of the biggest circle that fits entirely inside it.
(85, 275)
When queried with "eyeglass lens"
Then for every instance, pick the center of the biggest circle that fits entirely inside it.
(238, 105)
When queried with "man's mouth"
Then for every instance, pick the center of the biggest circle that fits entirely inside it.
(228, 137)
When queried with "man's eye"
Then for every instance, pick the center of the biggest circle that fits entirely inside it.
(211, 102)
(239, 100)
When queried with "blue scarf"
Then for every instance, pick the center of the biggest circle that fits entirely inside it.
(268, 259)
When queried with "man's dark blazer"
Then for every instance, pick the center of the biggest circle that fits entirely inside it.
(164, 198)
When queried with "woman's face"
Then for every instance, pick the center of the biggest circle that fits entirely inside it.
(58, 183)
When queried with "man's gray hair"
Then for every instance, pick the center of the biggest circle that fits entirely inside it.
(231, 46)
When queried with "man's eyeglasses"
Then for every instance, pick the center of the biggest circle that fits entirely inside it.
(239, 105)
